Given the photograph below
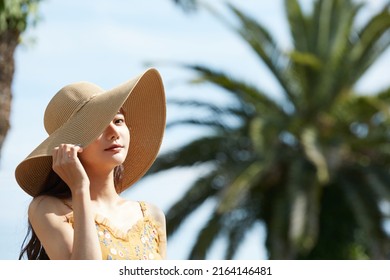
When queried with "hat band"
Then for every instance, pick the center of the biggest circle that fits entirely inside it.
(78, 108)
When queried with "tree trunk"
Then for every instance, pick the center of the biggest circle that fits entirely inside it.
(8, 42)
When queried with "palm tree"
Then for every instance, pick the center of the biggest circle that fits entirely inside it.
(15, 17)
(314, 167)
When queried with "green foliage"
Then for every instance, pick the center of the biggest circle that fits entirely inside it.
(15, 14)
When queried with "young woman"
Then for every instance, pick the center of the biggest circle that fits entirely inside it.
(100, 143)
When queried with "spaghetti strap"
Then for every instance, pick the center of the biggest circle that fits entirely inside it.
(143, 207)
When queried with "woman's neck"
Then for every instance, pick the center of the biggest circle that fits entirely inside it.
(102, 188)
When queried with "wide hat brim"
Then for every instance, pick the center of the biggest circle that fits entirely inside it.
(143, 101)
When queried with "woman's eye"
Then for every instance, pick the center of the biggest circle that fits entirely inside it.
(119, 118)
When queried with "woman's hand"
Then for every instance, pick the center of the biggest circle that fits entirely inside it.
(68, 166)
(80, 241)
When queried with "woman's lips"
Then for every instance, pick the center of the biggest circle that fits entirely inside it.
(114, 148)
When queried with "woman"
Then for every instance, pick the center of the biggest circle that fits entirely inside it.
(100, 143)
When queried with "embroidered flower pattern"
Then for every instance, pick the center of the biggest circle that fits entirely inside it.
(140, 242)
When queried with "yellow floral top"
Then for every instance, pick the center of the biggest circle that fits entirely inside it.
(141, 242)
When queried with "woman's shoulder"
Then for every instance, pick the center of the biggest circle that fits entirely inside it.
(43, 204)
(154, 211)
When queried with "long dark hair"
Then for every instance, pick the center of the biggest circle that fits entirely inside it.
(54, 186)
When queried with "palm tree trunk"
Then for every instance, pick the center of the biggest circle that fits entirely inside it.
(8, 42)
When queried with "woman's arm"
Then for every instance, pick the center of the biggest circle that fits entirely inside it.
(68, 166)
(86, 244)
(159, 216)
(47, 218)
(59, 239)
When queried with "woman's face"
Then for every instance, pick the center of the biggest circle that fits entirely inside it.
(110, 148)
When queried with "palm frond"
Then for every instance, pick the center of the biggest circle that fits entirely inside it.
(371, 41)
(187, 5)
(384, 95)
(365, 206)
(194, 197)
(241, 222)
(216, 110)
(206, 238)
(212, 123)
(266, 47)
(239, 189)
(298, 26)
(377, 178)
(244, 92)
(324, 27)
(199, 151)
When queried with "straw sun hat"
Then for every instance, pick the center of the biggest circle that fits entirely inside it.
(80, 112)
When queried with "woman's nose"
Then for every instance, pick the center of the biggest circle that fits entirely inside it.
(112, 132)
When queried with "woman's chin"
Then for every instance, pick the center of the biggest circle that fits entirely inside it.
(118, 159)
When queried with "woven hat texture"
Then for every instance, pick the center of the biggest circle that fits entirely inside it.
(79, 113)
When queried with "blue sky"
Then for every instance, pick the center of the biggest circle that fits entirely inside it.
(109, 42)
